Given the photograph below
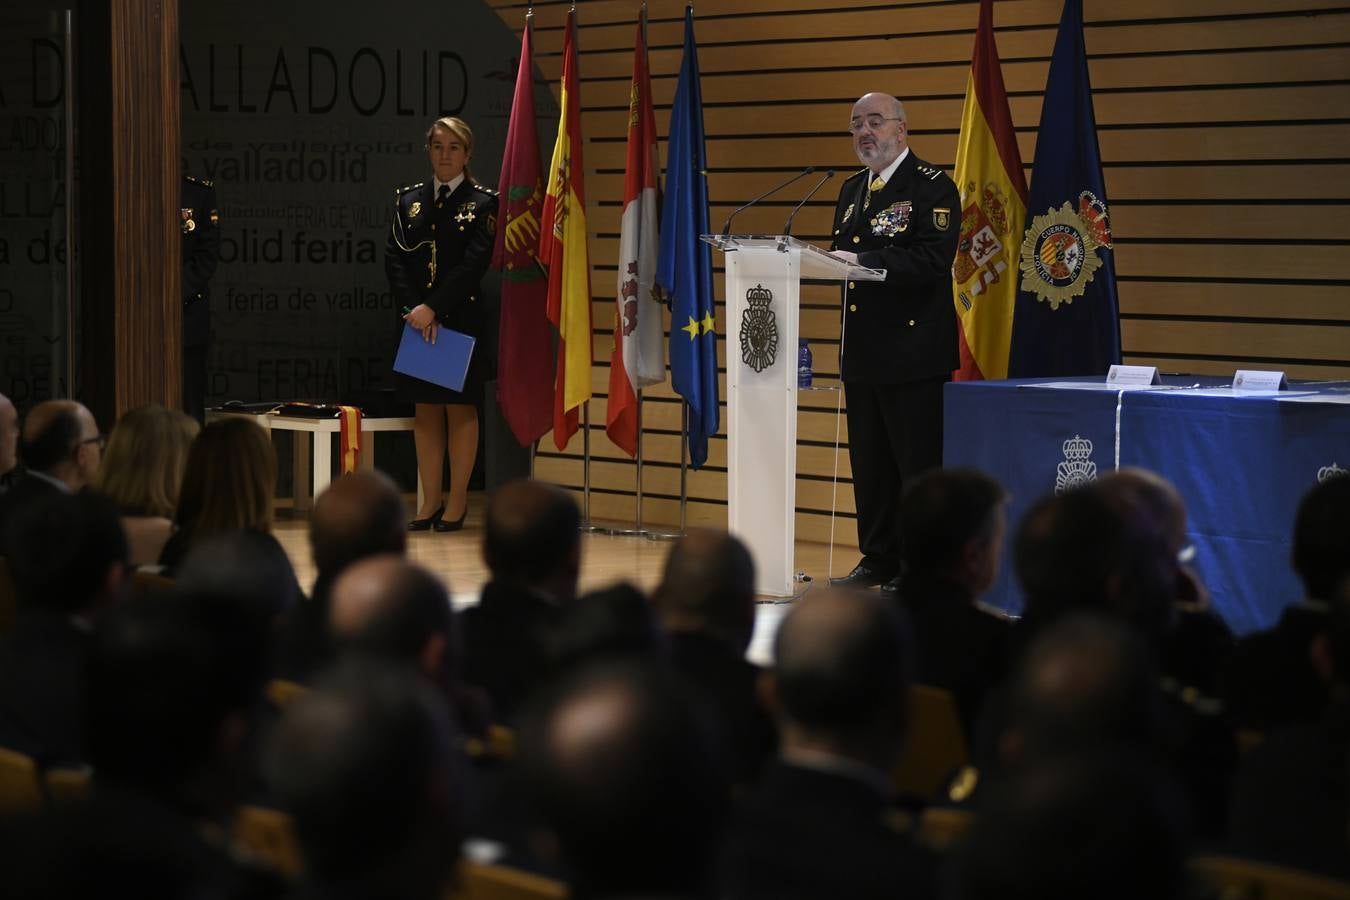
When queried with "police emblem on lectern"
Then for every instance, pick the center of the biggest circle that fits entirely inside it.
(759, 329)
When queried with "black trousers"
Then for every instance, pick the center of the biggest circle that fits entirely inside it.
(194, 381)
(894, 433)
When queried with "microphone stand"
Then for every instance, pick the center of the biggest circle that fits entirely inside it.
(787, 226)
(726, 229)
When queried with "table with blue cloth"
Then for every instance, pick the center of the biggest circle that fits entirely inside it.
(1241, 461)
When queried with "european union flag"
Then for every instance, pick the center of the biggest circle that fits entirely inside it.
(1067, 318)
(684, 264)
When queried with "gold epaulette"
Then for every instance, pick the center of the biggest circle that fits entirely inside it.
(204, 182)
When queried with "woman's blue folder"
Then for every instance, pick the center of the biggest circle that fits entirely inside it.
(445, 362)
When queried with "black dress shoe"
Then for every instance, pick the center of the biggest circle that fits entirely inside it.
(443, 525)
(427, 523)
(862, 576)
(892, 587)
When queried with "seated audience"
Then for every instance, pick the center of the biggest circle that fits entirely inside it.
(532, 548)
(60, 446)
(246, 568)
(359, 515)
(616, 622)
(9, 440)
(1272, 680)
(168, 708)
(951, 524)
(68, 558)
(815, 824)
(365, 764)
(1104, 826)
(228, 484)
(706, 601)
(142, 471)
(1199, 644)
(627, 779)
(1291, 794)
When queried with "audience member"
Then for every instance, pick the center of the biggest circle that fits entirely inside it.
(1199, 645)
(9, 438)
(706, 601)
(359, 515)
(532, 548)
(387, 608)
(952, 523)
(814, 826)
(60, 447)
(628, 780)
(142, 471)
(246, 568)
(616, 622)
(228, 484)
(1272, 681)
(1291, 794)
(1104, 825)
(365, 764)
(68, 557)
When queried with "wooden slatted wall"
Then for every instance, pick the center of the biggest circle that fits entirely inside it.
(1225, 134)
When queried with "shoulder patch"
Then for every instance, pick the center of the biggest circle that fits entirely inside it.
(929, 172)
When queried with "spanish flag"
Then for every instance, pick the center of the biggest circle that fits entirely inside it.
(562, 249)
(993, 214)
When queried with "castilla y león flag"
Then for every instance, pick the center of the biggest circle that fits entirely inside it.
(993, 210)
(639, 352)
(562, 247)
(525, 346)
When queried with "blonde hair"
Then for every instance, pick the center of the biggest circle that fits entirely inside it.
(459, 129)
(229, 481)
(142, 467)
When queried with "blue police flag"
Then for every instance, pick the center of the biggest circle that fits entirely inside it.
(1067, 317)
(684, 264)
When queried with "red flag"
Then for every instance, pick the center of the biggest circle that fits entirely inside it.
(525, 345)
(562, 247)
(639, 342)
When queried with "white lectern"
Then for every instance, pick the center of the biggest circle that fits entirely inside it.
(763, 294)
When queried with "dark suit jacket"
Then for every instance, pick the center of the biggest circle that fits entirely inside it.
(904, 328)
(810, 834)
(25, 490)
(506, 646)
(960, 647)
(199, 222)
(42, 688)
(724, 683)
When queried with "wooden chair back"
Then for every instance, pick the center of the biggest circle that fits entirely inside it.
(1233, 878)
(20, 791)
(484, 881)
(267, 836)
(937, 743)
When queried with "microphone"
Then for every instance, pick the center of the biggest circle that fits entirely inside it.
(787, 226)
(726, 229)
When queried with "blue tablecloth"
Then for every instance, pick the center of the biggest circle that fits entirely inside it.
(1241, 462)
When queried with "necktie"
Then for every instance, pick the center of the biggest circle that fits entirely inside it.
(443, 194)
(876, 185)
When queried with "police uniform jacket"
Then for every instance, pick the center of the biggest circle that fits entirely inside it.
(437, 253)
(199, 221)
(904, 328)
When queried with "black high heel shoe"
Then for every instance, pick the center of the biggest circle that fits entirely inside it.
(431, 521)
(443, 525)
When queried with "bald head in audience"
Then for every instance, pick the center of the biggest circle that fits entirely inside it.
(709, 587)
(61, 440)
(386, 607)
(625, 774)
(360, 514)
(9, 435)
(532, 539)
(840, 677)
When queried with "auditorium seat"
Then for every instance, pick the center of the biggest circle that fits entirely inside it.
(483, 881)
(942, 826)
(19, 789)
(268, 837)
(937, 743)
(67, 785)
(1244, 879)
(145, 584)
(281, 692)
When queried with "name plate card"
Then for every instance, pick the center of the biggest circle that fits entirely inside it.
(1258, 380)
(1133, 375)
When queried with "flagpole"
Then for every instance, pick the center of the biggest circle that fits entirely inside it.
(684, 481)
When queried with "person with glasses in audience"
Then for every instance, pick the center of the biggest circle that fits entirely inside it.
(903, 215)
(61, 447)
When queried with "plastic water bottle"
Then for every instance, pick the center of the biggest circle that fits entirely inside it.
(803, 364)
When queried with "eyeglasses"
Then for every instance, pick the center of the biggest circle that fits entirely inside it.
(871, 123)
(100, 439)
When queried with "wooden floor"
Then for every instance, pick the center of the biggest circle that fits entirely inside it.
(457, 559)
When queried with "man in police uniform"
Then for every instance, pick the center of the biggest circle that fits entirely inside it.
(899, 338)
(200, 223)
